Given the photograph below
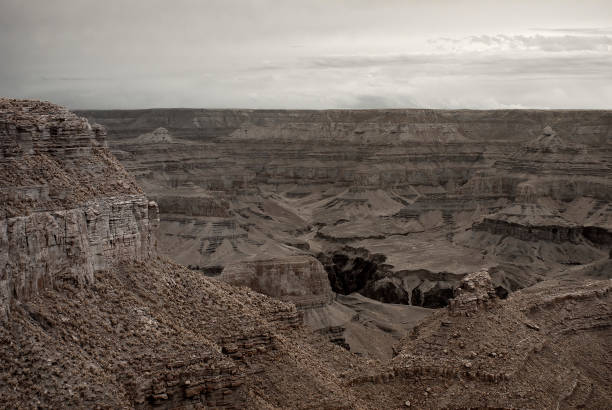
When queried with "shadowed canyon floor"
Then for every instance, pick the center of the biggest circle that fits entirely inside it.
(455, 259)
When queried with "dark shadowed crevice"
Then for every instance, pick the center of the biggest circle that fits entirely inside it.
(501, 292)
(433, 298)
(348, 276)
(597, 235)
(350, 272)
(387, 292)
(355, 270)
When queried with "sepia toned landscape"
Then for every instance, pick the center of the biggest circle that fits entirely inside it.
(412, 210)
(469, 270)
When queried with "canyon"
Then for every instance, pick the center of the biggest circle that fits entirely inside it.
(396, 205)
(187, 258)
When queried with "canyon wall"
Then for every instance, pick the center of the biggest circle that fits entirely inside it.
(299, 279)
(68, 207)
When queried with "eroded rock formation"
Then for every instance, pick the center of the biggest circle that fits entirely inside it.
(69, 209)
(139, 331)
(475, 293)
(91, 317)
(545, 345)
(299, 279)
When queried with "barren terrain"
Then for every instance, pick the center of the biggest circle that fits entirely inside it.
(304, 259)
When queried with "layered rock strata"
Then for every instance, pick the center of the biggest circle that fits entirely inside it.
(431, 191)
(68, 207)
(153, 334)
(300, 279)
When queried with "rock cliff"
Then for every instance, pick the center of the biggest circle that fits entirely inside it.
(69, 209)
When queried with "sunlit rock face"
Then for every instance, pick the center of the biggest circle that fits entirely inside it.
(406, 201)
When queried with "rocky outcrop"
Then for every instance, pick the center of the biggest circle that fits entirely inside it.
(299, 279)
(52, 159)
(474, 293)
(545, 344)
(69, 209)
(73, 244)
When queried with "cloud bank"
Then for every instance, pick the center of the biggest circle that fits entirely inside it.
(308, 54)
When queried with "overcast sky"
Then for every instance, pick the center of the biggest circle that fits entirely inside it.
(308, 53)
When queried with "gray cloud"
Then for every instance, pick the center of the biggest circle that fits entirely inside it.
(477, 64)
(307, 54)
(582, 30)
(538, 42)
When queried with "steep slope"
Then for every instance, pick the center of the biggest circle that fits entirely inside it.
(158, 335)
(543, 347)
(92, 317)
